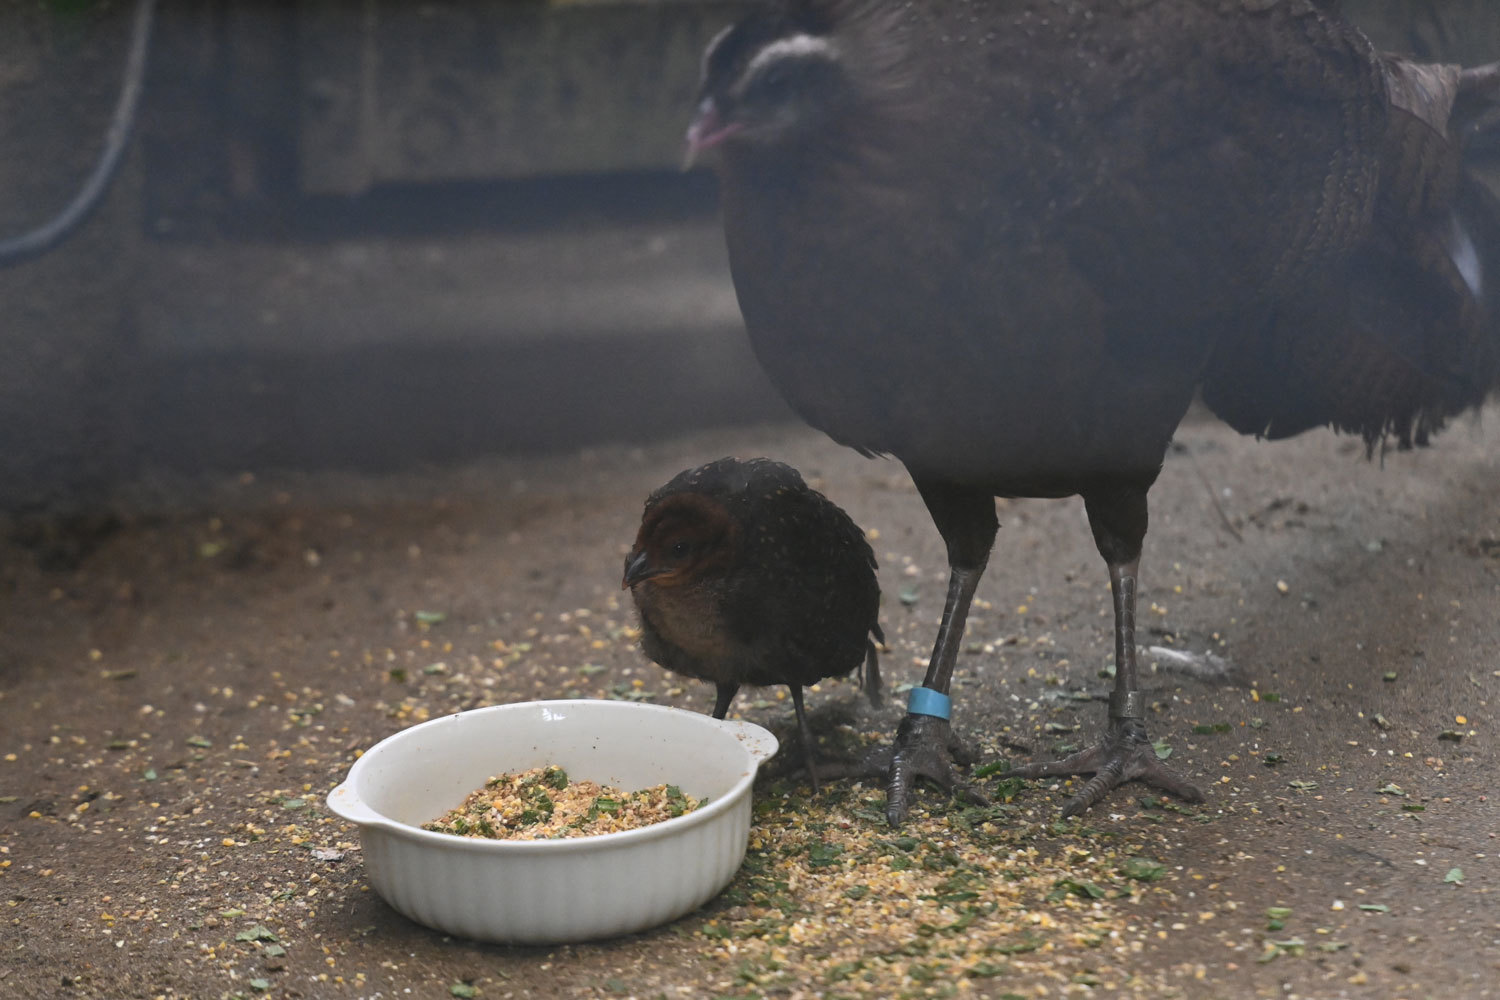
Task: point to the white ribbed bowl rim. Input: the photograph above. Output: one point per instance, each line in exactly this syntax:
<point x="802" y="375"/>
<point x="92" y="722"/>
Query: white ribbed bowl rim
<point x="345" y="799"/>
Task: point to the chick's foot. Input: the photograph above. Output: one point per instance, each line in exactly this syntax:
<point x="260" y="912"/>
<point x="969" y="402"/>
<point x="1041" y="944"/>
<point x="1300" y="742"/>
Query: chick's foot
<point x="1125" y="754"/>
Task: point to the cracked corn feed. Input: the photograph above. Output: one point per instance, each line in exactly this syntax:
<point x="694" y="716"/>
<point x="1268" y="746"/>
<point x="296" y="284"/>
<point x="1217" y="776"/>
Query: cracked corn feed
<point x="542" y="804"/>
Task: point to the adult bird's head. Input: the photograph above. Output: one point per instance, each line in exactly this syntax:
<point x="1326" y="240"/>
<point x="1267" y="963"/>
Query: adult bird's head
<point x="683" y="538"/>
<point x="765" y="90"/>
<point x="779" y="75"/>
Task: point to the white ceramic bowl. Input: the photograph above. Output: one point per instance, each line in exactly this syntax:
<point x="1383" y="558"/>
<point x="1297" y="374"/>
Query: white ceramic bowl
<point x="554" y="891"/>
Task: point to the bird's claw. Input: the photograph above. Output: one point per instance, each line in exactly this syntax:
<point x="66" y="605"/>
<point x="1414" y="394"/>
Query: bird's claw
<point x="1125" y="754"/>
<point x="925" y="747"/>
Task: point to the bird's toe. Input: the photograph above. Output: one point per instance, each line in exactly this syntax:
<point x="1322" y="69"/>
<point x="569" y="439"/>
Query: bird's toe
<point x="925" y="748"/>
<point x="1124" y="755"/>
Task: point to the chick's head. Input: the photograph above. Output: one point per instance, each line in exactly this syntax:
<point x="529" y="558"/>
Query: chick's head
<point x="683" y="539"/>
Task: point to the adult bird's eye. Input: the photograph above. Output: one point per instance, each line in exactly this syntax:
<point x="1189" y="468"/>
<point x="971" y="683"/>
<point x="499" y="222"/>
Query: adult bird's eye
<point x="680" y="549"/>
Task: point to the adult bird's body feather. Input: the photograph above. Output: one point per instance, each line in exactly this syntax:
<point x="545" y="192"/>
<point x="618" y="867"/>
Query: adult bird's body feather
<point x="1006" y="242"/>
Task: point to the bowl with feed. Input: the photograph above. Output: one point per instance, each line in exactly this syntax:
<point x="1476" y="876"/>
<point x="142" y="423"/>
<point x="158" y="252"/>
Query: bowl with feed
<point x="549" y="822"/>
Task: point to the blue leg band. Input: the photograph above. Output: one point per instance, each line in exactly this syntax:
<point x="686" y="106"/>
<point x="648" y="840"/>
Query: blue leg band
<point x="926" y="701"/>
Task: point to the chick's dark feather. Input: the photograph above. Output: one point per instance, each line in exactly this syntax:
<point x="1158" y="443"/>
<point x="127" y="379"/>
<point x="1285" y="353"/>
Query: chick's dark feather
<point x="743" y="574"/>
<point x="1007" y="241"/>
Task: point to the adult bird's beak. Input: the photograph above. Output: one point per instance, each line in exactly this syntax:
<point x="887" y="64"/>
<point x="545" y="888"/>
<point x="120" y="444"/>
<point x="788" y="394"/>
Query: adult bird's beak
<point x="637" y="568"/>
<point x="706" y="131"/>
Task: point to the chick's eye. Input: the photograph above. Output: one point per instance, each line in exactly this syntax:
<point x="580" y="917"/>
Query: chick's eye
<point x="680" y="549"/>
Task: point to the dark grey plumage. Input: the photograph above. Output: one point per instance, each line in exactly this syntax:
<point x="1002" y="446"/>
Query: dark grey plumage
<point x="1006" y="242"/>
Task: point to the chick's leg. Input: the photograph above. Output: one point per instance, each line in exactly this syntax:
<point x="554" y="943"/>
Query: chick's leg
<point x="1118" y="519"/>
<point x="925" y="746"/>
<point x="805" y="735"/>
<point x="724" y="693"/>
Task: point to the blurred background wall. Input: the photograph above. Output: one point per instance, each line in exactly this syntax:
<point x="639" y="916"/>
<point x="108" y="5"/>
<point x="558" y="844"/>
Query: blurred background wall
<point x="371" y="234"/>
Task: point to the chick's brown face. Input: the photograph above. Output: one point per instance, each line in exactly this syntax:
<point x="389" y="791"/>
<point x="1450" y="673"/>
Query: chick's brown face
<point x="682" y="539"/>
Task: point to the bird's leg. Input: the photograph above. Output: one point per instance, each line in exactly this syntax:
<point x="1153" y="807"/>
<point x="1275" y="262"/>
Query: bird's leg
<point x="925" y="746"/>
<point x="869" y="678"/>
<point x="723" y="696"/>
<point x="805" y="735"/>
<point x="1125" y="753"/>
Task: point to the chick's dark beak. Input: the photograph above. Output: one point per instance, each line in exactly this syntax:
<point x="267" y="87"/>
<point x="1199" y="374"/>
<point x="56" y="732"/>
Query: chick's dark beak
<point x="706" y="131"/>
<point x="637" y="568"/>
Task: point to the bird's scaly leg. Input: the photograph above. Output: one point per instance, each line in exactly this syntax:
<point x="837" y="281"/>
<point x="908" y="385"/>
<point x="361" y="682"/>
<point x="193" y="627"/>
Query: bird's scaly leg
<point x="1125" y="753"/>
<point x="925" y="745"/>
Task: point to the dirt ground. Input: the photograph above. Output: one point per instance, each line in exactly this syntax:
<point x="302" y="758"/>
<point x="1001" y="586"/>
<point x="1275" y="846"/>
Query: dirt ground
<point x="178" y="691"/>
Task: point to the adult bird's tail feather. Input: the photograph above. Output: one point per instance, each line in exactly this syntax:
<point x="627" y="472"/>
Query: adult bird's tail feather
<point x="1402" y="332"/>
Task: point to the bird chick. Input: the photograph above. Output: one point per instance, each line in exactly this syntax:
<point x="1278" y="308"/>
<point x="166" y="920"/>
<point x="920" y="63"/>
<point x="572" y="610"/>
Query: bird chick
<point x="743" y="574"/>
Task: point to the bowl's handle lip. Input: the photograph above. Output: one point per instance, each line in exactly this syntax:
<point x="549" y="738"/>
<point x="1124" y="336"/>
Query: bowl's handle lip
<point x="347" y="804"/>
<point x="758" y="740"/>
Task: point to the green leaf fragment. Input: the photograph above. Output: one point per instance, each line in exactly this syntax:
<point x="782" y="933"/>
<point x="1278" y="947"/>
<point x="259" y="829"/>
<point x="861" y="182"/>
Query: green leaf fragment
<point x="1374" y="907"/>
<point x="822" y="855"/>
<point x="1143" y="869"/>
<point x="842" y="971"/>
<point x="1065" y="887"/>
<point x="1455" y="876"/>
<point x="1162" y="748"/>
<point x="463" y="991"/>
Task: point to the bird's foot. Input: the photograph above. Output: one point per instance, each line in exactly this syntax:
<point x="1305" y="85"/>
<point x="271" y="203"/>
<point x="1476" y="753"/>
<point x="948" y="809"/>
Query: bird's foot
<point x="1125" y="754"/>
<point x="925" y="747"/>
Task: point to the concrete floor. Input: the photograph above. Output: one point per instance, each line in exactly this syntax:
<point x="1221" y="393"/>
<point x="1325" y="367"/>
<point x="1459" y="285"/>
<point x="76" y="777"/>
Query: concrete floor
<point x="174" y="707"/>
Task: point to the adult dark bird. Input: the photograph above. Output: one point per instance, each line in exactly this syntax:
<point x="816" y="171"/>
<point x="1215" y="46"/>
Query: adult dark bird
<point x="743" y="574"/>
<point x="1006" y="242"/>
